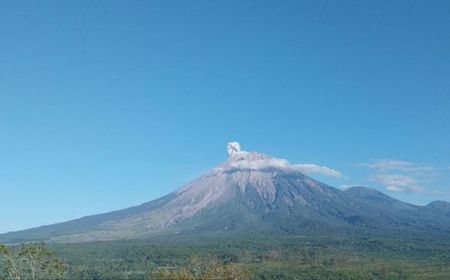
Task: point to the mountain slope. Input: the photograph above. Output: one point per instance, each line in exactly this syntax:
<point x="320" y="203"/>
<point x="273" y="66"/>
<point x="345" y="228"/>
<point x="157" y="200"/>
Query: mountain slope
<point x="250" y="191"/>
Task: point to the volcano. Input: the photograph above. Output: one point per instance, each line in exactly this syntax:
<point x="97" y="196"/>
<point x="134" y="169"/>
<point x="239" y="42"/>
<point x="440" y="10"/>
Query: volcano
<point x="252" y="192"/>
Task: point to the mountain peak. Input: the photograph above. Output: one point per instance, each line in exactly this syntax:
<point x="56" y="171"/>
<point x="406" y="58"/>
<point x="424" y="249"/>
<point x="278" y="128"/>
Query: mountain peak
<point x="365" y="192"/>
<point x="255" y="190"/>
<point x="239" y="159"/>
<point x="253" y="161"/>
<point x="439" y="204"/>
<point x="243" y="160"/>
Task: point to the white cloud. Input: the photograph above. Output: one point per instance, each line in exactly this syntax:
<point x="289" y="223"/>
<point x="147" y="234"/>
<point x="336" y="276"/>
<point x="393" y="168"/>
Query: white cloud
<point x="284" y="164"/>
<point x="384" y="165"/>
<point x="399" y="183"/>
<point x="346" y="187"/>
<point x="402" y="176"/>
<point x="264" y="162"/>
<point x="260" y="164"/>
<point x="314" y="168"/>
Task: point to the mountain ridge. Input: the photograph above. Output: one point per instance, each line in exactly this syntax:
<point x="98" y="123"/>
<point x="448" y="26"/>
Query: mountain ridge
<point x="250" y="190"/>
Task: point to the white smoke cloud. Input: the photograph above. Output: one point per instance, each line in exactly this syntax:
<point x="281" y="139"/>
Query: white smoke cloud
<point x="264" y="162"/>
<point x="234" y="148"/>
<point x="260" y="164"/>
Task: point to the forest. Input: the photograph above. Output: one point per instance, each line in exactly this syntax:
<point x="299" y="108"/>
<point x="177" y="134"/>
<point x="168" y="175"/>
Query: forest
<point x="251" y="257"/>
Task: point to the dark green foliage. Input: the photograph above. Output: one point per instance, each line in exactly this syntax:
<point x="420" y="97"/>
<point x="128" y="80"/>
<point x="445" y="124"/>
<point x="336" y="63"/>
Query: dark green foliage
<point x="251" y="256"/>
<point x="262" y="257"/>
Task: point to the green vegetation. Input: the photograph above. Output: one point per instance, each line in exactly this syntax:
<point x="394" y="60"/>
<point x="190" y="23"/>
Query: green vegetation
<point x="202" y="267"/>
<point x="256" y="257"/>
<point x="30" y="261"/>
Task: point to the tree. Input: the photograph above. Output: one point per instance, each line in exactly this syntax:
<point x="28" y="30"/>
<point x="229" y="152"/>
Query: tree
<point x="202" y="268"/>
<point x="31" y="261"/>
<point x="9" y="264"/>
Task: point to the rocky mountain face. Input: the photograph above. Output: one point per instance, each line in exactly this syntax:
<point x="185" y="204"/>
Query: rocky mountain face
<point x="252" y="191"/>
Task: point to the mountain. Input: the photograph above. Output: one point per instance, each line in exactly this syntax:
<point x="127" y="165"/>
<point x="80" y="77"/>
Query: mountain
<point x="252" y="192"/>
<point x="440" y="205"/>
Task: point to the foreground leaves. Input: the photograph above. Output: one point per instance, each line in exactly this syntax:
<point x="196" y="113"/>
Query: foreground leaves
<point x="30" y="261"/>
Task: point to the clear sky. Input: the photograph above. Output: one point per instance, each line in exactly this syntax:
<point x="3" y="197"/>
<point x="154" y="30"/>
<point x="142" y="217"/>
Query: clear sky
<point x="108" y="104"/>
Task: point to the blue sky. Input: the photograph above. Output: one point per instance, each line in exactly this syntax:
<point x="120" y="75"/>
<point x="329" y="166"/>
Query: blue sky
<point x="109" y="104"/>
